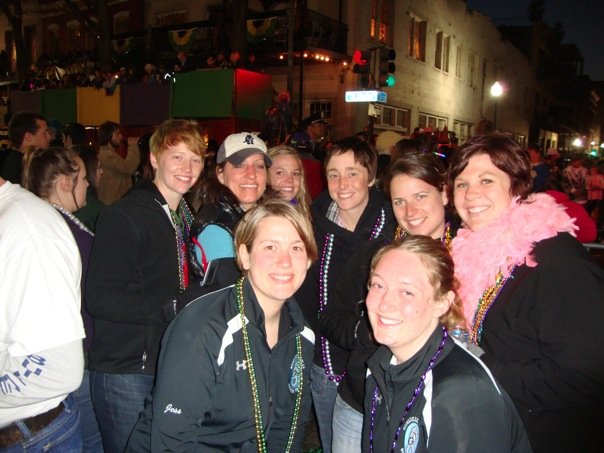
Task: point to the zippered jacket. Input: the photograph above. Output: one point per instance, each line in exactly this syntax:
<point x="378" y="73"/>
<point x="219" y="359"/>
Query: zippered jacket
<point x="132" y="282"/>
<point x="203" y="399"/>
<point x="460" y="408"/>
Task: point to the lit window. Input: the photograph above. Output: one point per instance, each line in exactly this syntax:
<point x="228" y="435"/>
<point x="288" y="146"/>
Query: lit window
<point x="417" y="39"/>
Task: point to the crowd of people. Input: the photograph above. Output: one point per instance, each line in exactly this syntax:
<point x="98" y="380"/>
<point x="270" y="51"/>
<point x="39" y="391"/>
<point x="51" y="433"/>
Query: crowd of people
<point x="80" y="69"/>
<point x="403" y="303"/>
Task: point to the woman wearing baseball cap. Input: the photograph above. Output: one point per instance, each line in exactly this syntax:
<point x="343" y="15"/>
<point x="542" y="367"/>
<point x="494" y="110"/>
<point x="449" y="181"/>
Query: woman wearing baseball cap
<point x="237" y="185"/>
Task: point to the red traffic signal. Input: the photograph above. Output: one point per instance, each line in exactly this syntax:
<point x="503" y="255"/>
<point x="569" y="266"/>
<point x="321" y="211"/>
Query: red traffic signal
<point x="361" y="61"/>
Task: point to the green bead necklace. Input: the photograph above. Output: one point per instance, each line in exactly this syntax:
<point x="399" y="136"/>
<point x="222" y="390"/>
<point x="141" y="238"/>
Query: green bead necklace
<point x="248" y="357"/>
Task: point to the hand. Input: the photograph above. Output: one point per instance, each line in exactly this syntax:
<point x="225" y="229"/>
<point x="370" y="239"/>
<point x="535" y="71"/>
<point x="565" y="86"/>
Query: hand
<point x="133" y="140"/>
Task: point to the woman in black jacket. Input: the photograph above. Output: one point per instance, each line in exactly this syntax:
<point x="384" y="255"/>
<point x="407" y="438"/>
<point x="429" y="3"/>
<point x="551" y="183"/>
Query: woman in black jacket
<point x="532" y="296"/>
<point x="425" y="392"/>
<point x="137" y="269"/>
<point x="351" y="212"/>
<point x="233" y="373"/>
<point x="416" y="183"/>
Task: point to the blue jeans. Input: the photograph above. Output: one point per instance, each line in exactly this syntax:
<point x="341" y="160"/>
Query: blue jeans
<point x="347" y="428"/>
<point x="91" y="435"/>
<point x="118" y="399"/>
<point x="324" y="394"/>
<point x="62" y="435"/>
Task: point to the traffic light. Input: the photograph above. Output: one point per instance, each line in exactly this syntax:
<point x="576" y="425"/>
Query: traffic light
<point x="386" y="67"/>
<point x="361" y="65"/>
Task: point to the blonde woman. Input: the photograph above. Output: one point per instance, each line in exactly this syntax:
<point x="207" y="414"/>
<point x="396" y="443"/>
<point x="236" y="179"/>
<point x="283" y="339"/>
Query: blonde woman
<point x="286" y="177"/>
<point x="424" y="391"/>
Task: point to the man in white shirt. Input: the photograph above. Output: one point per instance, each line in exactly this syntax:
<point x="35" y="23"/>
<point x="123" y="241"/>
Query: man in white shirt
<point x="41" y="331"/>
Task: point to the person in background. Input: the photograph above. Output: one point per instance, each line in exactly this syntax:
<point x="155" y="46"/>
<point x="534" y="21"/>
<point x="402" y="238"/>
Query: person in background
<point x="573" y="180"/>
<point x="586" y="230"/>
<point x="138" y="268"/>
<point x="90" y="212"/>
<point x="316" y="128"/>
<point x="151" y="75"/>
<point x="182" y="63"/>
<point x="286" y="177"/>
<point x="41" y="331"/>
<point x="351" y="212"/>
<point x="117" y="170"/>
<point x="424" y="391"/>
<point x="484" y="127"/>
<point x="55" y="131"/>
<point x="384" y="144"/>
<point x="244" y="348"/>
<point x="313" y="168"/>
<point x="539" y="169"/>
<point x="25" y="130"/>
<point x="74" y="134"/>
<point x="400" y="149"/>
<point x="238" y="184"/>
<point x="417" y="190"/>
<point x="58" y="176"/>
<point x="595" y="197"/>
<point x="594" y="183"/>
<point x="531" y="293"/>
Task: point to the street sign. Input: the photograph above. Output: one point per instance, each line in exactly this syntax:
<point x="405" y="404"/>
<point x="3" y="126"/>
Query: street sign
<point x="366" y="96"/>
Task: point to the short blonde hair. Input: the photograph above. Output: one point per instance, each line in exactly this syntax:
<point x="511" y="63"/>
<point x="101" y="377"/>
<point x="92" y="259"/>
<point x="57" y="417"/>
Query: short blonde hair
<point x="440" y="268"/>
<point x="245" y="232"/>
<point x="172" y="132"/>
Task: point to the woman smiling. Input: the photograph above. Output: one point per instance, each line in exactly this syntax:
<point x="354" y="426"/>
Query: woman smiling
<point x="424" y="391"/>
<point x="532" y="296"/>
<point x="244" y="349"/>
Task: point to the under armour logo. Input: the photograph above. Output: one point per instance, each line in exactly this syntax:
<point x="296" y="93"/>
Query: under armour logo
<point x="241" y="365"/>
<point x="249" y="139"/>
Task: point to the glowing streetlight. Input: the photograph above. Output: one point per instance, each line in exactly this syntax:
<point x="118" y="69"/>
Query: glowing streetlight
<point x="496" y="92"/>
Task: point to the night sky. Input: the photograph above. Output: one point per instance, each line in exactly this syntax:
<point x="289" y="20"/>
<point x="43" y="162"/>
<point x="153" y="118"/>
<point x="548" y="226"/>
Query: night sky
<point x="583" y="22"/>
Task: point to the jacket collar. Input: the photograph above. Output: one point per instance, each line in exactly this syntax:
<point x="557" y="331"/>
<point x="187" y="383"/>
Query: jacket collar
<point x="377" y="202"/>
<point x="291" y="319"/>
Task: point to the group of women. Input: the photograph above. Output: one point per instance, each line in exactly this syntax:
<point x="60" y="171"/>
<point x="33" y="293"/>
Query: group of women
<point x="352" y="301"/>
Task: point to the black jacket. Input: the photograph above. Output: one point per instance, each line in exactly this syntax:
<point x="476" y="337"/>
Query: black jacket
<point x="223" y="272"/>
<point x="460" y="408"/>
<point x="344" y="321"/>
<point x="344" y="244"/>
<point x="543" y="341"/>
<point x="132" y="282"/>
<point x="203" y="399"/>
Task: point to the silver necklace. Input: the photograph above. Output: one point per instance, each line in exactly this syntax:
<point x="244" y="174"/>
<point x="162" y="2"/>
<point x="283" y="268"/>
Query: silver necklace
<point x="71" y="217"/>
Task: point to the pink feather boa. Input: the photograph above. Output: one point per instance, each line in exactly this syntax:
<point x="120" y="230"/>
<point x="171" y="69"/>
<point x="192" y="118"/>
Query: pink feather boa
<point x="503" y="244"/>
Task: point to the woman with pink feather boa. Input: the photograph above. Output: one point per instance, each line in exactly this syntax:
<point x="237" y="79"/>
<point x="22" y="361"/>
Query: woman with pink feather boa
<point x="533" y="297"/>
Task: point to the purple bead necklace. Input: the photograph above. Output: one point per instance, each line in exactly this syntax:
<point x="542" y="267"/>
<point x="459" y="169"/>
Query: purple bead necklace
<point x="412" y="401"/>
<point x="324" y="292"/>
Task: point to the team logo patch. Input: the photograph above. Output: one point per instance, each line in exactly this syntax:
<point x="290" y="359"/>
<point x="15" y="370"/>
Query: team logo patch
<point x="411" y="435"/>
<point x="295" y="375"/>
<point x="249" y="139"/>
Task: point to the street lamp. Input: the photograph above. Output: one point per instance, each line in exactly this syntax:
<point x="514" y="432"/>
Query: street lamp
<point x="496" y="92"/>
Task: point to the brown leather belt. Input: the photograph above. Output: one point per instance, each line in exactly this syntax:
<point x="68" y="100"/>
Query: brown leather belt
<point x="11" y="434"/>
